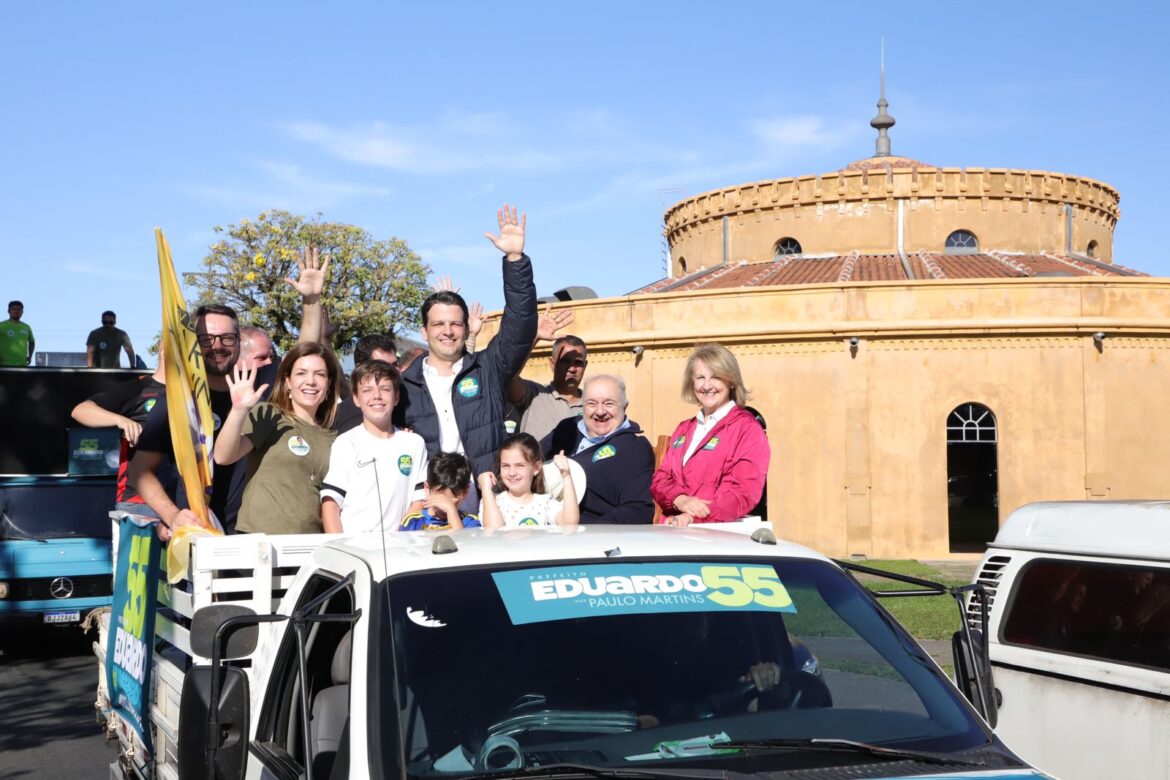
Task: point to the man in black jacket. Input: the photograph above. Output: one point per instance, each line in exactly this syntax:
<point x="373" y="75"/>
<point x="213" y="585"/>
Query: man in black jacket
<point x="455" y="399"/>
<point x="617" y="459"/>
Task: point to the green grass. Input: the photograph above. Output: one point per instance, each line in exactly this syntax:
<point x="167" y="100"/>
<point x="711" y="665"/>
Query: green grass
<point x="925" y="617"/>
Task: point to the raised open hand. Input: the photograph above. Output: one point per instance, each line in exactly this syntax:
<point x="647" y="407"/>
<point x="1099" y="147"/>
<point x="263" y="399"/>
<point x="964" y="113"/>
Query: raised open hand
<point x="311" y="267"/>
<point x="474" y="319"/>
<point x="444" y="284"/>
<point x="550" y="323"/>
<point x="242" y="388"/>
<point x="510" y="241"/>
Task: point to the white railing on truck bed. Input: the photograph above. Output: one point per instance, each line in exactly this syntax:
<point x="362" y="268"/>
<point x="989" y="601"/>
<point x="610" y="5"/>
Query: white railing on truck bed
<point x="254" y="570"/>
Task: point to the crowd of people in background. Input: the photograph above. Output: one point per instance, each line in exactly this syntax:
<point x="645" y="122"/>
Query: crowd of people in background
<point x="442" y="439"/>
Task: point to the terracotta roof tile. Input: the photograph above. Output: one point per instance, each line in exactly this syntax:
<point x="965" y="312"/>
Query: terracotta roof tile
<point x="973" y="267"/>
<point x="798" y="269"/>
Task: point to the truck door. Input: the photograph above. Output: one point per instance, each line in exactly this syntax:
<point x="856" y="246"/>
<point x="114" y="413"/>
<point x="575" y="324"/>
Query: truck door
<point x="285" y="742"/>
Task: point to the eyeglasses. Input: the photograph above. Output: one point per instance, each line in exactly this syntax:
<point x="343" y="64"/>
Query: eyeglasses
<point x="227" y="339"/>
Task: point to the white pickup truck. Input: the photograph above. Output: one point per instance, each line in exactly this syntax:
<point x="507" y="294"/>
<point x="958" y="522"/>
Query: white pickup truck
<point x="592" y="652"/>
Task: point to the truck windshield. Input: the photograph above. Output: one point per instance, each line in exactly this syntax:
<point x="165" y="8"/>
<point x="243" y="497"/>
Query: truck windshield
<point x="637" y="664"/>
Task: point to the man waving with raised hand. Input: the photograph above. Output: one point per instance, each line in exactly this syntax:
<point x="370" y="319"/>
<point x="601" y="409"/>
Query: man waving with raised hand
<point x="453" y="398"/>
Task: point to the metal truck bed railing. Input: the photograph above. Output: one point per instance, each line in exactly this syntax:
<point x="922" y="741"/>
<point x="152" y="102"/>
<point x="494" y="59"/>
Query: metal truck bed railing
<point x="254" y="570"/>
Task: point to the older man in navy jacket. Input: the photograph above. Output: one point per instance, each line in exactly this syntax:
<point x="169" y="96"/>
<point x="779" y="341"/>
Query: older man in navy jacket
<point x="454" y="399"/>
<point x="617" y="459"/>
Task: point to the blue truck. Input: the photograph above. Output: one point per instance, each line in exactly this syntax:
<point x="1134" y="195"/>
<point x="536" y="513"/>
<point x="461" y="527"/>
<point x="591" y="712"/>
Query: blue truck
<point x="57" y="484"/>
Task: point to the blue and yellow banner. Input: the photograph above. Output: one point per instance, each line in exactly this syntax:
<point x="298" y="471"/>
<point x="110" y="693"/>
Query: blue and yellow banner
<point x="130" y="643"/>
<point x="562" y="593"/>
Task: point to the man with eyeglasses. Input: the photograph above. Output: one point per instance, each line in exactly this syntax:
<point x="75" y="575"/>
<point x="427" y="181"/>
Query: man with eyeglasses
<point x="217" y="330"/>
<point x="617" y="459"/>
<point x="104" y="344"/>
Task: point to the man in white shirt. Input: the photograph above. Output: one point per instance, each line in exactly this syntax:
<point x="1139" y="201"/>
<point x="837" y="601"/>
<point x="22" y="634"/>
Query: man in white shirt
<point x="453" y="398"/>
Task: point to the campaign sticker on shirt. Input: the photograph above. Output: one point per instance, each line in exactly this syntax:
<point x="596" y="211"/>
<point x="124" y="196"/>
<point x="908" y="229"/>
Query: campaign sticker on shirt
<point x="509" y="427"/>
<point x="607" y="451"/>
<point x="469" y="387"/>
<point x="404" y="464"/>
<point x="680" y="441"/>
<point x="101" y="345"/>
<point x="564" y="593"/>
<point x="529" y="521"/>
<point x="11" y="334"/>
<point x="215" y="421"/>
<point x="150" y="402"/>
<point x="712" y="443"/>
<point x="298" y="446"/>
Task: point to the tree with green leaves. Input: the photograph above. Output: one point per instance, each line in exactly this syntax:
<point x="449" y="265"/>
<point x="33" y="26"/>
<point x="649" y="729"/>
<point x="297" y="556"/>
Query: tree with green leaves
<point x="372" y="286"/>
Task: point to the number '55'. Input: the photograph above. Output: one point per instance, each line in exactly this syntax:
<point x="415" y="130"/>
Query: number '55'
<point x="738" y="586"/>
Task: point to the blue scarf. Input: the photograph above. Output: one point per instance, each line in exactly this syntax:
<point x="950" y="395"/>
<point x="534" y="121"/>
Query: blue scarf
<point x="588" y="441"/>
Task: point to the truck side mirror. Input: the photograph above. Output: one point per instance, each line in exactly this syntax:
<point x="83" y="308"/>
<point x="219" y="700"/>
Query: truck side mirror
<point x="973" y="673"/>
<point x="230" y="724"/>
<point x="241" y="639"/>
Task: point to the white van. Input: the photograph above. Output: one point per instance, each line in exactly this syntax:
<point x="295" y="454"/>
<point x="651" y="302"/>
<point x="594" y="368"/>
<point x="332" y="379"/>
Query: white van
<point x="1080" y="636"/>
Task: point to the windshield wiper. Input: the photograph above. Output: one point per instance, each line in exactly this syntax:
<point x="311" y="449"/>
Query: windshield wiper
<point x="851" y="746"/>
<point x="610" y="773"/>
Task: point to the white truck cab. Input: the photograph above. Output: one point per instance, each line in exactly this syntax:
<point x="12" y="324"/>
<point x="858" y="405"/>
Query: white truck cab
<point x="1079" y="630"/>
<point x="591" y="651"/>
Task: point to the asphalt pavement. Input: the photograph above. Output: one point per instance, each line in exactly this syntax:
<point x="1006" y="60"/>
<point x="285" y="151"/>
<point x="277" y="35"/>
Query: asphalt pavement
<point x="48" y="676"/>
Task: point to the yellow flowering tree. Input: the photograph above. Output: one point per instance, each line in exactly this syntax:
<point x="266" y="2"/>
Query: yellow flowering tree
<point x="372" y="286"/>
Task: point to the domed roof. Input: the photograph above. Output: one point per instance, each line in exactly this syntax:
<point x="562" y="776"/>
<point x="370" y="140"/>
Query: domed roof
<point x="886" y="162"/>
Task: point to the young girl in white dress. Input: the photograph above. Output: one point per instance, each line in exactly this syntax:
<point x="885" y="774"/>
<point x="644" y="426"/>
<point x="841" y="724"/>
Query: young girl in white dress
<point x="514" y="494"/>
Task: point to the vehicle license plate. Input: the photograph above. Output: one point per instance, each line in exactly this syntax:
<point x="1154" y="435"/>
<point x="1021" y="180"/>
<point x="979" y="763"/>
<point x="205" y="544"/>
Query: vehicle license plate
<point x="73" y="616"/>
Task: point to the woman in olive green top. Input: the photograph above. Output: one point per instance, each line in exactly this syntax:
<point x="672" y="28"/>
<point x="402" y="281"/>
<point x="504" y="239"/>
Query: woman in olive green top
<point x="287" y="441"/>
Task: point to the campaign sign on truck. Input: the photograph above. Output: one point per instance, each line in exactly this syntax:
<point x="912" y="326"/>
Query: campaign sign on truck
<point x="564" y="592"/>
<point x="130" y="646"/>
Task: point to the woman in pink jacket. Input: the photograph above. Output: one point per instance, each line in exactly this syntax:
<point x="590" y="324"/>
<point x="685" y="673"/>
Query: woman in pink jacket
<point x="717" y="463"/>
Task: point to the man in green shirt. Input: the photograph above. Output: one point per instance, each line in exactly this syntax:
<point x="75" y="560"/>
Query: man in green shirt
<point x="16" y="338"/>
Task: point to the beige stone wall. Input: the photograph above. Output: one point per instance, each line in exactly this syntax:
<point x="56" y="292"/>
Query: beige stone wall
<point x="1009" y="210"/>
<point x="859" y="446"/>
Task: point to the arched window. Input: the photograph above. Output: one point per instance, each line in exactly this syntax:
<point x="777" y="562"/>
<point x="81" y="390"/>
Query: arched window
<point x="1091" y="249"/>
<point x="962" y="242"/>
<point x="972" y="477"/>
<point x="786" y="246"/>
<point x="682" y="264"/>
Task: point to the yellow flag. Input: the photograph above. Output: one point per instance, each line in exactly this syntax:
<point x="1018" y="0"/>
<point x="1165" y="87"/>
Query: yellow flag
<point x="188" y="405"/>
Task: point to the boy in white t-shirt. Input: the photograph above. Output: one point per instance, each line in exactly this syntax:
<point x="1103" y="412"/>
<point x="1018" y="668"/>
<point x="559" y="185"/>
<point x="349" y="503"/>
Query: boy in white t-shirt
<point x="376" y="472"/>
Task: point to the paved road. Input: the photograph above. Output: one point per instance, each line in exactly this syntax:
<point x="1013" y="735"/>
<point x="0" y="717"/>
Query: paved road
<point x="47" y="726"/>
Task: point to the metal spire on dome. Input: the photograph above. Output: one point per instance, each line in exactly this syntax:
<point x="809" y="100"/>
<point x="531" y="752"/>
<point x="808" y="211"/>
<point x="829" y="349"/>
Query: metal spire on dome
<point x="883" y="121"/>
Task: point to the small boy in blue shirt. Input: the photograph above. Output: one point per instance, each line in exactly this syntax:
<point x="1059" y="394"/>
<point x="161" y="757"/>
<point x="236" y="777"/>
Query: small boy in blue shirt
<point x="448" y="482"/>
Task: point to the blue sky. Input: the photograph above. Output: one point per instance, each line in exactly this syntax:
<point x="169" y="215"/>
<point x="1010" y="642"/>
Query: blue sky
<point x="418" y="120"/>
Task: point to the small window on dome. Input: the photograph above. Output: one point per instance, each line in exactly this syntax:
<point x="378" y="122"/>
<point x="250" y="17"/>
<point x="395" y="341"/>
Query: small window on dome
<point x="1091" y="249"/>
<point x="682" y="264"/>
<point x="786" y="246"/>
<point x="962" y="242"/>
